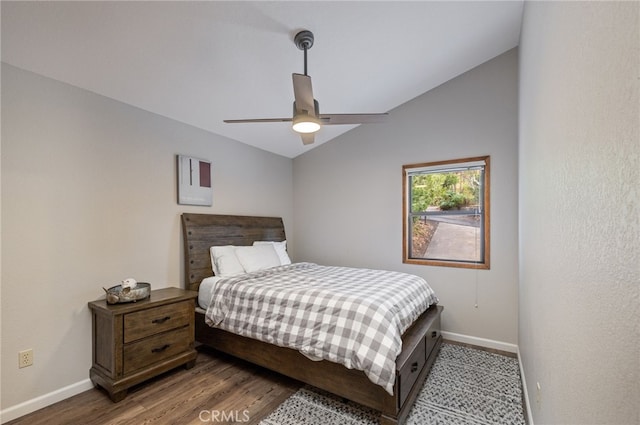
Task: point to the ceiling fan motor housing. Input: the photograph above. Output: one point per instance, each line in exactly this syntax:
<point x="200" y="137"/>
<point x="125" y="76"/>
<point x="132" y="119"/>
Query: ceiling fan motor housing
<point x="316" y="106"/>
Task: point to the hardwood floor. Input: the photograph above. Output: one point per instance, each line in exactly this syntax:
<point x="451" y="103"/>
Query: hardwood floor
<point x="218" y="390"/>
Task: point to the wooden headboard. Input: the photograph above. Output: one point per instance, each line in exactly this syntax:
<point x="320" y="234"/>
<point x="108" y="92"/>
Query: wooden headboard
<point x="202" y="231"/>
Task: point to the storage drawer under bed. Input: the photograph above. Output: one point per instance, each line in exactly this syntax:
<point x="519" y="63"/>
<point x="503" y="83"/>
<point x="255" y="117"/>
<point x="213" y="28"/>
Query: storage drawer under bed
<point x="432" y="335"/>
<point x="408" y="374"/>
<point x="410" y="367"/>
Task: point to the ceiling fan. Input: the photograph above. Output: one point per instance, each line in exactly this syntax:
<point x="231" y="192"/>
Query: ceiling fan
<point x="307" y="118"/>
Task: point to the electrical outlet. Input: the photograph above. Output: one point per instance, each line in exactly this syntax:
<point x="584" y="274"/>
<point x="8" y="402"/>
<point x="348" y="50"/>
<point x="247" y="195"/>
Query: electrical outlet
<point x="25" y="358"/>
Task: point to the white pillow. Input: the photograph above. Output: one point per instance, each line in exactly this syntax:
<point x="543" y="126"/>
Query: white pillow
<point x="224" y="261"/>
<point x="259" y="257"/>
<point x="281" y="250"/>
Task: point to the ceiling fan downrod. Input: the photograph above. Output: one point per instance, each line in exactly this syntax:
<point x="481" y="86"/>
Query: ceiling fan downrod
<point x="304" y="41"/>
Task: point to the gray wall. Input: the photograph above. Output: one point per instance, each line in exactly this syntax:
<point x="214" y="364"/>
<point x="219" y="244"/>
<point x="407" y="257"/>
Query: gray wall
<point x="348" y="193"/>
<point x="579" y="234"/>
<point x="88" y="199"/>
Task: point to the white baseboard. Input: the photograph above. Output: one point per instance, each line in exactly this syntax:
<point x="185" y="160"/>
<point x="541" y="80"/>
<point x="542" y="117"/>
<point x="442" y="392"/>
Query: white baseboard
<point x="525" y="391"/>
<point x="45" y="400"/>
<point x="481" y="342"/>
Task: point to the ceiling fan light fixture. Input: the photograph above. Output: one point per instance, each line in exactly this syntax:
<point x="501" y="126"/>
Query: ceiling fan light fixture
<point x="305" y="123"/>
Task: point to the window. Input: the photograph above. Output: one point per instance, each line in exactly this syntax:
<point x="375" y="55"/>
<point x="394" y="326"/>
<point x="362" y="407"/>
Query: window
<point x="446" y="213"/>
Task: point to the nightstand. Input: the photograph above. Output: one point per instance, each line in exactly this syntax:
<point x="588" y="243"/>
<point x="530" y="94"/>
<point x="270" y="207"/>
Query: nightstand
<point x="136" y="341"/>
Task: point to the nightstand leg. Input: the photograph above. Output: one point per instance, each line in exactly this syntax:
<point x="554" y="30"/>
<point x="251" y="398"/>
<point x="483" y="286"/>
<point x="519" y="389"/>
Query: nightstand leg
<point x="118" y="396"/>
<point x="190" y="364"/>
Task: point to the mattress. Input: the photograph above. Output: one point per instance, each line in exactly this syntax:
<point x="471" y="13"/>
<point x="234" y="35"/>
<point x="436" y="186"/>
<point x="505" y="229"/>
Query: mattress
<point x="355" y="317"/>
<point x="204" y="292"/>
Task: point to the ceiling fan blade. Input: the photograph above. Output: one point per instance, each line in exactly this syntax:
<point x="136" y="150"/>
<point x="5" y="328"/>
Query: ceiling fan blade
<point x="335" y="119"/>
<point x="307" y="138"/>
<point x="303" y="94"/>
<point x="258" y="120"/>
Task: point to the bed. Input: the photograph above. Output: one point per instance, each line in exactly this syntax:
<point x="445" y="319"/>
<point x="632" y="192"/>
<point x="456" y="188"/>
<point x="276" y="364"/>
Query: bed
<point x="420" y="342"/>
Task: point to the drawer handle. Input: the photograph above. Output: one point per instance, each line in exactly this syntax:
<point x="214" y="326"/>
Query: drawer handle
<point x="414" y="367"/>
<point x="434" y="334"/>
<point x="161" y="349"/>
<point x="162" y="320"/>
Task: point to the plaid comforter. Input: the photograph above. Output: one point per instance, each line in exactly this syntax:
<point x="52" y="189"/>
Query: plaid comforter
<point x="350" y="316"/>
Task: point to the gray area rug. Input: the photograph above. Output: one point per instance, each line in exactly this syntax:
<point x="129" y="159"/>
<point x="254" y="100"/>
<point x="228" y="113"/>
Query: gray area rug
<point x="465" y="386"/>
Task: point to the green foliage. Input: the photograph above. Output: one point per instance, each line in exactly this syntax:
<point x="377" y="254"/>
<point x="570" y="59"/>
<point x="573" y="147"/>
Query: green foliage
<point x="444" y="190"/>
<point x="421" y="195"/>
<point x="452" y="200"/>
<point x="450" y="180"/>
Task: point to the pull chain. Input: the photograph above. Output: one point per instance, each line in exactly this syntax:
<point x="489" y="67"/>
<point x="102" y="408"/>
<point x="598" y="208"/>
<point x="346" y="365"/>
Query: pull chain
<point x="476" y="251"/>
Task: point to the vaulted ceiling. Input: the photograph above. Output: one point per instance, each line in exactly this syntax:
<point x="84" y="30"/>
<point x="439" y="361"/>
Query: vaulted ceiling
<point x="202" y="62"/>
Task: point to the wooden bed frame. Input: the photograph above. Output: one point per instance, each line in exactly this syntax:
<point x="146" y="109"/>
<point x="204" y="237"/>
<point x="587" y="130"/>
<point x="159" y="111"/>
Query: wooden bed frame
<point x="421" y="342"/>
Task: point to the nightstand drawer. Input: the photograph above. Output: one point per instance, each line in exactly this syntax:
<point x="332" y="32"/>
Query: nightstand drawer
<point x="155" y="320"/>
<point x="153" y="349"/>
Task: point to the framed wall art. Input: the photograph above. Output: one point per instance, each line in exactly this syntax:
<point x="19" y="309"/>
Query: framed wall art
<point x="194" y="181"/>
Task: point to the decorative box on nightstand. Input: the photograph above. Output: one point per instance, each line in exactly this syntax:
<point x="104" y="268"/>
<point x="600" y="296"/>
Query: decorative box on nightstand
<point x="137" y="341"/>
